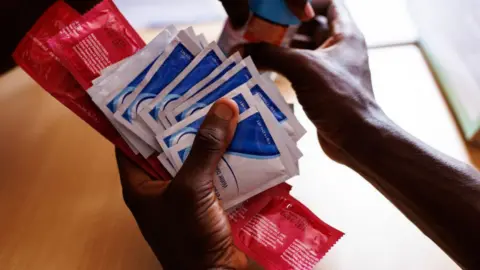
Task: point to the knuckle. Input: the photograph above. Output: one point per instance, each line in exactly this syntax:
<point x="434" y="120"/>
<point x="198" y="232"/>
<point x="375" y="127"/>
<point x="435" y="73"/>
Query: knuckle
<point x="211" y="139"/>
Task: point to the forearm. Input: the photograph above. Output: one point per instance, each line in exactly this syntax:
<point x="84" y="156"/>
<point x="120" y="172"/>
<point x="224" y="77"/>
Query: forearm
<point x="439" y="194"/>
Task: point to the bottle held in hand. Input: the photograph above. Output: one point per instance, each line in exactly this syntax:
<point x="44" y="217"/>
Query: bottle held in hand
<point x="269" y="21"/>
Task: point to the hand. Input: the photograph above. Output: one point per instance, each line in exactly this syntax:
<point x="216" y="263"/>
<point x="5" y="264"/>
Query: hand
<point x="332" y="83"/>
<point x="182" y="220"/>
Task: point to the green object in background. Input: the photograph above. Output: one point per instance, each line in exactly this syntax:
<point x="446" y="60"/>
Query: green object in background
<point x="450" y="38"/>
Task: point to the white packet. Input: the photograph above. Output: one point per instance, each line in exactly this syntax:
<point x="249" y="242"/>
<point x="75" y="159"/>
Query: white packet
<point x="98" y="99"/>
<point x="191" y="33"/>
<point x="181" y="131"/>
<point x="202" y="40"/>
<point x="112" y="89"/>
<point x="256" y="160"/>
<point x="290" y="142"/>
<point x="203" y="64"/>
<point x="120" y="82"/>
<point x="235" y="77"/>
<point x="135" y="143"/>
<point x="177" y="56"/>
<point x="244" y="72"/>
<point x="266" y="89"/>
<point x="167" y="164"/>
<point x="226" y="66"/>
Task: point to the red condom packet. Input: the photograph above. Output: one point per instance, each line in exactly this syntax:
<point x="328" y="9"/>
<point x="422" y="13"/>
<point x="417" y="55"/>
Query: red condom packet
<point x="278" y="232"/>
<point x="35" y="57"/>
<point x="101" y="38"/>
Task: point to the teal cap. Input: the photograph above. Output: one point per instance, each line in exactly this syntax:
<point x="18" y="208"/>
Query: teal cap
<point x="276" y="11"/>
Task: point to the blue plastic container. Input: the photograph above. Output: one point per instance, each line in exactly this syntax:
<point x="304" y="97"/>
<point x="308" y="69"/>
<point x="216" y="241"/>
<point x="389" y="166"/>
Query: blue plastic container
<point x="275" y="11"/>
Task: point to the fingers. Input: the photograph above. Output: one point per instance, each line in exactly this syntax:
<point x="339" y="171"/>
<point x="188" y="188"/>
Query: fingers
<point x="213" y="138"/>
<point x="286" y="61"/>
<point x="340" y="22"/>
<point x="321" y="6"/>
<point x="301" y="8"/>
<point x="135" y="182"/>
<point x="237" y="11"/>
<point x="312" y="34"/>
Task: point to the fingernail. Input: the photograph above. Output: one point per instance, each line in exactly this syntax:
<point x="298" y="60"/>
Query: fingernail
<point x="223" y="111"/>
<point x="309" y="12"/>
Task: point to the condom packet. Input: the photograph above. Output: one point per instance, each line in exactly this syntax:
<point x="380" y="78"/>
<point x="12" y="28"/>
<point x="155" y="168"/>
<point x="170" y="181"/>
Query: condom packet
<point x="109" y="93"/>
<point x="98" y="99"/>
<point x="244" y="72"/>
<point x="235" y="77"/>
<point x="266" y="89"/>
<point x="35" y="57"/>
<point x="256" y="159"/>
<point x="177" y="56"/>
<point x="100" y="38"/>
<point x="227" y="65"/>
<point x="279" y="232"/>
<point x="202" y="65"/>
<point x="202" y="41"/>
<point x="187" y="129"/>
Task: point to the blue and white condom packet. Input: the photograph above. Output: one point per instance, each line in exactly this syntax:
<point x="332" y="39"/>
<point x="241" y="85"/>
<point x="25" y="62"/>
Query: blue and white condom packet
<point x="121" y="81"/>
<point x="226" y="66"/>
<point x="244" y="72"/>
<point x="268" y="92"/>
<point x="204" y="63"/>
<point x="177" y="56"/>
<point x="256" y="160"/>
<point x="202" y="41"/>
<point x="235" y="77"/>
<point x="187" y="129"/>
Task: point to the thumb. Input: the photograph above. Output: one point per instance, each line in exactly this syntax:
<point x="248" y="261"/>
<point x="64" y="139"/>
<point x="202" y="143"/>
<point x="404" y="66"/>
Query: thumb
<point x="213" y="138"/>
<point x="289" y="62"/>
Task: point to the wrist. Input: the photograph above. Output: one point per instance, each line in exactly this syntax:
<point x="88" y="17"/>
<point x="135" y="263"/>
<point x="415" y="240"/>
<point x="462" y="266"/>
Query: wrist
<point x="365" y="131"/>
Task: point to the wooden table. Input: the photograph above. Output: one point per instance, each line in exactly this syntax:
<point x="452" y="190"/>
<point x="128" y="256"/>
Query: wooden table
<point x="60" y="198"/>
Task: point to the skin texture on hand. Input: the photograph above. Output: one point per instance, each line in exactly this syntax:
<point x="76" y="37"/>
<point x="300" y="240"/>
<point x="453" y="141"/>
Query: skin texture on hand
<point x="182" y="220"/>
<point x="333" y="84"/>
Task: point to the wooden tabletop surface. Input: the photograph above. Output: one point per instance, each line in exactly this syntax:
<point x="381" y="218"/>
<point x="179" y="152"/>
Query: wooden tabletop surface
<point x="60" y="197"/>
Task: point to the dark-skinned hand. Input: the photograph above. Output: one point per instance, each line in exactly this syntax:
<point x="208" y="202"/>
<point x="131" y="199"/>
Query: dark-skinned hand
<point x="332" y="82"/>
<point x="182" y="220"/>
